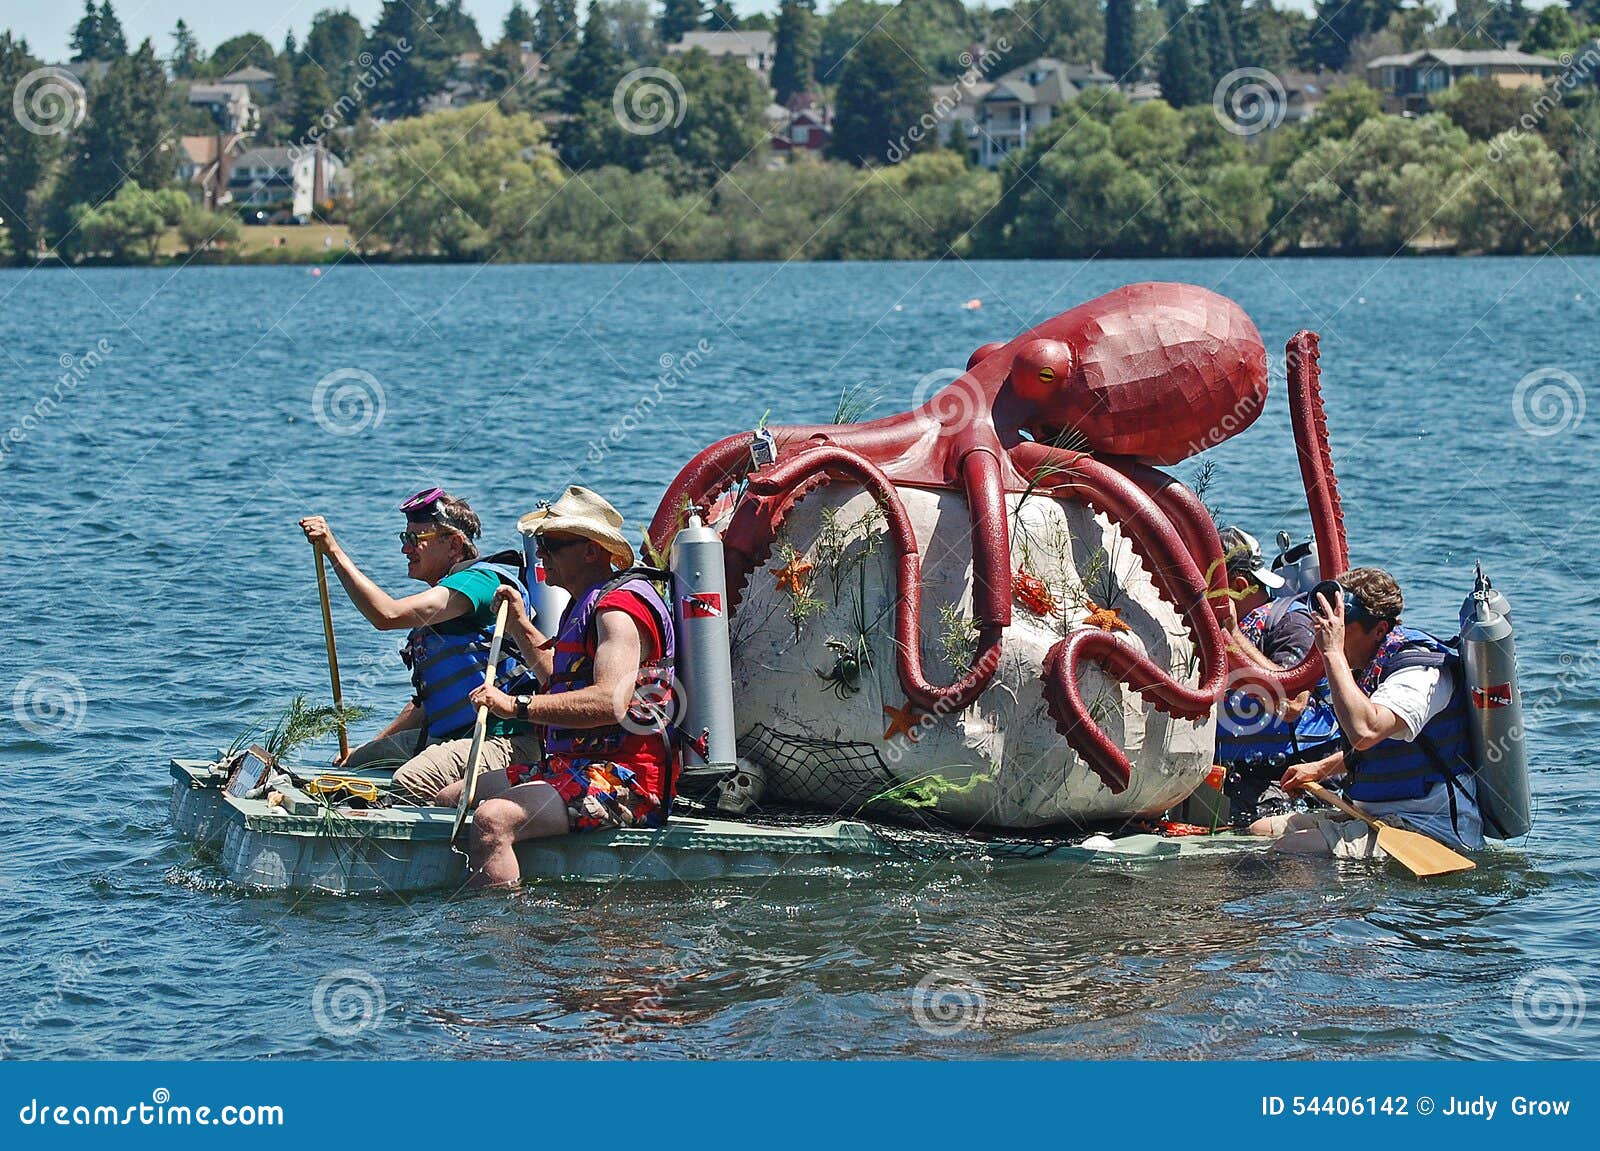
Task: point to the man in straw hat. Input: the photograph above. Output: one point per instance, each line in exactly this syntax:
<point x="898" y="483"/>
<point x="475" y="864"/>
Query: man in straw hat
<point x="608" y="701"/>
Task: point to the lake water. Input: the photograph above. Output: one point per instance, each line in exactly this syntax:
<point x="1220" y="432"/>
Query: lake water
<point x="151" y="559"/>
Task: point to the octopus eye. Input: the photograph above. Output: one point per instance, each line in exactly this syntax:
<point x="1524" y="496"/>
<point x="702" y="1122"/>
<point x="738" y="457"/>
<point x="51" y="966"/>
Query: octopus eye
<point x="1047" y="374"/>
<point x="1039" y="368"/>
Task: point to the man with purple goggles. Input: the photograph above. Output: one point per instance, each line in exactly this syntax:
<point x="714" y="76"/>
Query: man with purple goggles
<point x="447" y="648"/>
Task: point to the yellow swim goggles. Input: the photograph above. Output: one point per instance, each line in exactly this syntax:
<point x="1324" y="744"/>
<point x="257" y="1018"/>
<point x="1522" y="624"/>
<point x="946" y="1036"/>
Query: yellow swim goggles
<point x="332" y="787"/>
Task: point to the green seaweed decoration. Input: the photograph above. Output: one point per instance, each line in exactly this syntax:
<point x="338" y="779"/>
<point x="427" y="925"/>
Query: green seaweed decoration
<point x="298" y="724"/>
<point x="927" y="791"/>
<point x="856" y="400"/>
<point x="958" y="638"/>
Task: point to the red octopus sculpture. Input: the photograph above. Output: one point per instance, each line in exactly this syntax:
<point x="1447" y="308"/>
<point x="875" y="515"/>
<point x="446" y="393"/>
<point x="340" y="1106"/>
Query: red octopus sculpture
<point x="1144" y="375"/>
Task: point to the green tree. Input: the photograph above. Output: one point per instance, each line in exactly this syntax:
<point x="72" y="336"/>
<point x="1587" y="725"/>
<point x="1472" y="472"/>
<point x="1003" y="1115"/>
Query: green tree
<point x="795" y="48"/>
<point x="1510" y="199"/>
<point x="557" y="24"/>
<point x="185" y="51"/>
<point x="248" y="49"/>
<point x="882" y="95"/>
<point x="456" y="27"/>
<point x="595" y="68"/>
<point x="720" y="17"/>
<point x="313" y="112"/>
<point x="425" y="60"/>
<point x="129" y="226"/>
<point x="497" y="168"/>
<point x="113" y="42"/>
<point x="1182" y="63"/>
<point x="199" y="228"/>
<point x="1553" y="32"/>
<point x="634" y="27"/>
<point x="333" y="44"/>
<point x="85" y="40"/>
<point x="679" y="17"/>
<point x="1580" y="170"/>
<point x="845" y="26"/>
<point x="25" y="156"/>
<point x="1339" y="23"/>
<point x="519" y="26"/>
<point x="1482" y="108"/>
<point x="1121" y="54"/>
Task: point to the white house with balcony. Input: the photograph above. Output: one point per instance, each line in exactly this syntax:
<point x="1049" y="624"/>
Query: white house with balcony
<point x="1007" y="113"/>
<point x="285" y="179"/>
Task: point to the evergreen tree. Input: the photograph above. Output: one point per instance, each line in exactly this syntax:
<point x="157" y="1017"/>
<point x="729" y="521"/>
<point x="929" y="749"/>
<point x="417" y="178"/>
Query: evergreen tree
<point x="333" y="44"/>
<point x="113" y="43"/>
<point x="456" y="27"/>
<point x="1121" y="27"/>
<point x="1217" y="35"/>
<point x="86" y="36"/>
<point x="24" y="155"/>
<point x="795" y="52"/>
<point x="720" y="17"/>
<point x="882" y="94"/>
<point x="405" y="89"/>
<point x="1338" y="23"/>
<point x="556" y="26"/>
<point x="185" y="51"/>
<point x="519" y="27"/>
<point x="313" y="99"/>
<point x="122" y="135"/>
<point x="679" y="17"/>
<point x="596" y="66"/>
<point x="1181" y="65"/>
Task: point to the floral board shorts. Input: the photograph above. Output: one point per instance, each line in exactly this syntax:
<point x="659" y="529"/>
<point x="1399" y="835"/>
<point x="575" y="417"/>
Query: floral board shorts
<point x="600" y="795"/>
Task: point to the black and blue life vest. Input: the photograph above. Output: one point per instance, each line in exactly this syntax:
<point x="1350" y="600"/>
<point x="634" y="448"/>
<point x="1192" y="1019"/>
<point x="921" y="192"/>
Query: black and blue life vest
<point x="1248" y="734"/>
<point x="1441" y="753"/>
<point x="446" y="667"/>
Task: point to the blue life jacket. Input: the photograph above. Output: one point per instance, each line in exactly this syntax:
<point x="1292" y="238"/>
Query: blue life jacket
<point x="1400" y="769"/>
<point x="446" y="668"/>
<point x="1247" y="734"/>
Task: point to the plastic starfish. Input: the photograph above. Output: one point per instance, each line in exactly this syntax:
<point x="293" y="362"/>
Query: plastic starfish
<point x="1105" y="618"/>
<point x="902" y="721"/>
<point x="793" y="577"/>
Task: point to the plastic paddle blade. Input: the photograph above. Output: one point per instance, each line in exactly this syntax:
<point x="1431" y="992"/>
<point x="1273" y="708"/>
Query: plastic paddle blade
<point x="1421" y="855"/>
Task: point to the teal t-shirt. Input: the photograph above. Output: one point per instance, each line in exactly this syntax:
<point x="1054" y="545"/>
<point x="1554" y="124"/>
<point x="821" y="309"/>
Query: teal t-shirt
<point x="478" y="586"/>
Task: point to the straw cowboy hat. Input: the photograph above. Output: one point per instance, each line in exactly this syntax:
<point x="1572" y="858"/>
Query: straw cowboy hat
<point x="581" y="512"/>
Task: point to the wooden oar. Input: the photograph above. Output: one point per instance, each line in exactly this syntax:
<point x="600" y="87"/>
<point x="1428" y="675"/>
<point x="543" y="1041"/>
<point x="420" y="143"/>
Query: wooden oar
<point x="1420" y="854"/>
<point x="333" y="654"/>
<point x="469" y="786"/>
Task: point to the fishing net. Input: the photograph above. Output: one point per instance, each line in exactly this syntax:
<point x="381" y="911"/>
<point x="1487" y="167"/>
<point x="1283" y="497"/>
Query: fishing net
<point x="840" y="776"/>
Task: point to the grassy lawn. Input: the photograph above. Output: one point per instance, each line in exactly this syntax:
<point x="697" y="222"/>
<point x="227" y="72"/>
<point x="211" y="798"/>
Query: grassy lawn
<point x="311" y="241"/>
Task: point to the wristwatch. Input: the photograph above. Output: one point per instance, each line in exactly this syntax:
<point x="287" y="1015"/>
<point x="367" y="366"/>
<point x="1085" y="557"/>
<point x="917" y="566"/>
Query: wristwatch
<point x="522" y="705"/>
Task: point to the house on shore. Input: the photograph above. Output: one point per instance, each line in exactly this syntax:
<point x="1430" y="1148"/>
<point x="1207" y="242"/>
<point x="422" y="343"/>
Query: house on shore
<point x="205" y="167"/>
<point x="1408" y="81"/>
<point x="754" y="48"/>
<point x="285" y="179"/>
<point x="802" y="125"/>
<point x="999" y="117"/>
<point x="229" y="104"/>
<point x="263" y="85"/>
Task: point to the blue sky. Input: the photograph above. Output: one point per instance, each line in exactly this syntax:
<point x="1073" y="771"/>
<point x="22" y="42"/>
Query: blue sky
<point x="47" y="24"/>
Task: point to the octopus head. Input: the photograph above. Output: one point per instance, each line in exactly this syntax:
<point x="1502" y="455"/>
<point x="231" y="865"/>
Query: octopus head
<point x="1042" y="375"/>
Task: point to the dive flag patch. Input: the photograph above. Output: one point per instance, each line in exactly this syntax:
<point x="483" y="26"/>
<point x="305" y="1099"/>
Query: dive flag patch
<point x="702" y="605"/>
<point x="1496" y="695"/>
<point x="538" y="573"/>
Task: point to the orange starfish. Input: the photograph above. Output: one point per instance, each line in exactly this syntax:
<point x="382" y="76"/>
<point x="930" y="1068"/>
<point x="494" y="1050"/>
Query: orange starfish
<point x="794" y="576"/>
<point x="902" y="721"/>
<point x="1105" y="618"/>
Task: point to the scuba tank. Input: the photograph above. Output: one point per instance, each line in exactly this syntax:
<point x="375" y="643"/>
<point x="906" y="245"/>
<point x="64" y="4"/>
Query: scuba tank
<point x="1489" y="668"/>
<point x="546" y="602"/>
<point x="1298" y="565"/>
<point x="699" y="611"/>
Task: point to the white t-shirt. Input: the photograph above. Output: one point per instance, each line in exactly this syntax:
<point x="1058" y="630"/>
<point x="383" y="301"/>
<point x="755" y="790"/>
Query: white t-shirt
<point x="1416" y="695"/>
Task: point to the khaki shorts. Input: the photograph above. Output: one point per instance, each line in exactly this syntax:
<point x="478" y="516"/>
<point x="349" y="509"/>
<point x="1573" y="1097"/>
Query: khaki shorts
<point x="422" y="776"/>
<point x="1325" y="833"/>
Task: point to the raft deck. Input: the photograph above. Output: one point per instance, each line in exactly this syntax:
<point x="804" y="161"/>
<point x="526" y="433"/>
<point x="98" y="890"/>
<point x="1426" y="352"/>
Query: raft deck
<point x="303" y="843"/>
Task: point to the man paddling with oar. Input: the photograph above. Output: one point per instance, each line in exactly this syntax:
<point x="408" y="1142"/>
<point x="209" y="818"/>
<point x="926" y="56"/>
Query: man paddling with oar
<point x="447" y="650"/>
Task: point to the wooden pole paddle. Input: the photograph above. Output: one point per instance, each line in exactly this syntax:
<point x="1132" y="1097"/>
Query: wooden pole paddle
<point x="1420" y="854"/>
<point x="333" y="653"/>
<point x="469" y="788"/>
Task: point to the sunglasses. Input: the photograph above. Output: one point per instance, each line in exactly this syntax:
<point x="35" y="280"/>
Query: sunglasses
<point x="545" y="546"/>
<point x="412" y="539"/>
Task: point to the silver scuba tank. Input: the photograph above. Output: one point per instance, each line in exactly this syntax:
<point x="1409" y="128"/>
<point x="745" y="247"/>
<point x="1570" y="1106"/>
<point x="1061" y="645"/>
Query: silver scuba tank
<point x="704" y="667"/>
<point x="546" y="602"/>
<point x="1489" y="667"/>
<point x="1298" y="565"/>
